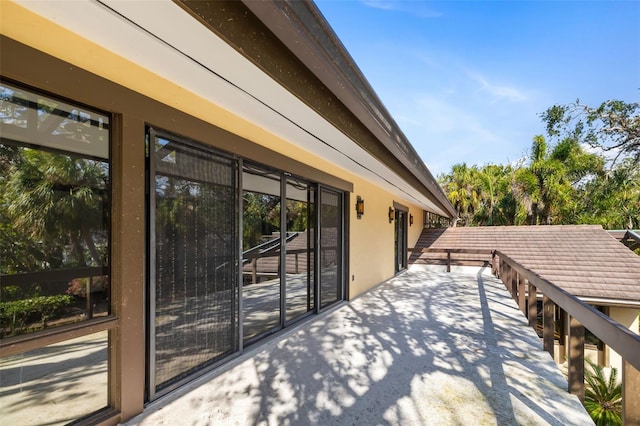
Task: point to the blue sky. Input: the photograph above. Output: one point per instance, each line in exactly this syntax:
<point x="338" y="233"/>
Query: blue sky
<point x="467" y="80"/>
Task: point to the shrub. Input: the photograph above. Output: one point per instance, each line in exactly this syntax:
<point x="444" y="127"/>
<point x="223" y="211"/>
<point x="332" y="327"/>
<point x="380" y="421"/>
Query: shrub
<point x="17" y="313"/>
<point x="602" y="395"/>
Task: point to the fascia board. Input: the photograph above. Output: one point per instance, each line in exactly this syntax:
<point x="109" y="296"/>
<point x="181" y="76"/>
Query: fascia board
<point x="213" y="70"/>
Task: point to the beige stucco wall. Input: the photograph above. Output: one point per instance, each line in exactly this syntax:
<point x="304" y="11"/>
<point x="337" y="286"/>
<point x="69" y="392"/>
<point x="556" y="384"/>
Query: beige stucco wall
<point x="371" y="238"/>
<point x="628" y="317"/>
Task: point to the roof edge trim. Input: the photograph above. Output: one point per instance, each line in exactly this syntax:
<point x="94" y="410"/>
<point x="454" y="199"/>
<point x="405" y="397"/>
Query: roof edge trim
<point x="326" y="57"/>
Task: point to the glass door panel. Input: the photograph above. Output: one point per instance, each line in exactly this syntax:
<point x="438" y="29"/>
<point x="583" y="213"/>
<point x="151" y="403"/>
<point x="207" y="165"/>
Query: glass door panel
<point x="299" y="259"/>
<point x="330" y="256"/>
<point x="261" y="251"/>
<point x="400" y="240"/>
<point x="193" y="259"/>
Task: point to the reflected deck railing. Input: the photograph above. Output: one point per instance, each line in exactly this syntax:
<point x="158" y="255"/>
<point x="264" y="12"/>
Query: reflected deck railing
<point x="522" y="282"/>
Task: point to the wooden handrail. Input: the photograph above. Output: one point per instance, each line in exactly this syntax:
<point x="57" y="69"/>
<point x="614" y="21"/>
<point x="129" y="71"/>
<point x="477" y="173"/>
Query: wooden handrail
<point x="447" y="250"/>
<point x="450" y="251"/>
<point x="581" y="315"/>
<point x="619" y="338"/>
<point x="632" y="235"/>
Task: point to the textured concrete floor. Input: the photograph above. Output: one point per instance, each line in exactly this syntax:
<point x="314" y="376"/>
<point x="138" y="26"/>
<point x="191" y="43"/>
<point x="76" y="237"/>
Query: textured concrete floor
<point x="423" y="348"/>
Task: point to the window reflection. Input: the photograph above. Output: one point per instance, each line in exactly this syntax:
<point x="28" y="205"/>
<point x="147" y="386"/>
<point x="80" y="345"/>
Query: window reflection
<point x="56" y="384"/>
<point x="330" y="247"/>
<point x="54" y="212"/>
<point x="194" y="259"/>
<point x="299" y="248"/>
<point x="261" y="251"/>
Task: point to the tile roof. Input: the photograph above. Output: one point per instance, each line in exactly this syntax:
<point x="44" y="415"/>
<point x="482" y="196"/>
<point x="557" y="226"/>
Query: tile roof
<point x="585" y="260"/>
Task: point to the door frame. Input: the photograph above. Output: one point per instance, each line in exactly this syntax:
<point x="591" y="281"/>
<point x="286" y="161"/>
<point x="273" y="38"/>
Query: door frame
<point x="400" y="236"/>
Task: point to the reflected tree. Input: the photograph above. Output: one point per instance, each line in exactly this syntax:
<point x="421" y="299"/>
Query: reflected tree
<point x="61" y="202"/>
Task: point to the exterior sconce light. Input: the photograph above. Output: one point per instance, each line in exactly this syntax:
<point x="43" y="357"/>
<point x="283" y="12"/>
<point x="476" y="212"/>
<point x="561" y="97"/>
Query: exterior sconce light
<point x="359" y="207"/>
<point x="391" y="215"/>
<point x="410" y="220"/>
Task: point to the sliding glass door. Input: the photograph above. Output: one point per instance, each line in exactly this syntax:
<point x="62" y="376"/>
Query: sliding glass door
<point x="261" y="217"/>
<point x="330" y="256"/>
<point x="213" y="290"/>
<point x="299" y="247"/>
<point x="193" y="259"/>
<point x="400" y="240"/>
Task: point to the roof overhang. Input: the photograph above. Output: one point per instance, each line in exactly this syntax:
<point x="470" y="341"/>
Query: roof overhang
<point x="164" y="38"/>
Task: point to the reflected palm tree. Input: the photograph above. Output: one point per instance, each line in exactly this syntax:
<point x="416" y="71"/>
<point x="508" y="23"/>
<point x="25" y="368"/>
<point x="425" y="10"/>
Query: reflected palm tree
<point x="63" y="202"/>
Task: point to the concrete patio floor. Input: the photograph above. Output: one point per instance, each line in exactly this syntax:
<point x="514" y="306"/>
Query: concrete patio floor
<point x="425" y="347"/>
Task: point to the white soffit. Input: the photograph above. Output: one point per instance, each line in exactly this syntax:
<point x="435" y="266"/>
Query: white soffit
<point x="166" y="40"/>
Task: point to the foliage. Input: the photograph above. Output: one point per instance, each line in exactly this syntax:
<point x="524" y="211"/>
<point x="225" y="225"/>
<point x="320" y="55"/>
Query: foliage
<point x="603" y="395"/>
<point x="566" y="182"/>
<point x="53" y="196"/>
<point x="462" y="190"/>
<point x="261" y="216"/>
<point x="613" y="199"/>
<point x="612" y="126"/>
<point x="16" y="314"/>
<point x="53" y="215"/>
<point x="53" y="210"/>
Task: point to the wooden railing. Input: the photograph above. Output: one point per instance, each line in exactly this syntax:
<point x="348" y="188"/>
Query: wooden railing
<point x="525" y="285"/>
<point x="486" y="255"/>
<point x="631" y="239"/>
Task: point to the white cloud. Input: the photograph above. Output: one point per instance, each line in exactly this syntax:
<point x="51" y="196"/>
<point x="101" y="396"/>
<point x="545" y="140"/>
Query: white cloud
<point x="498" y="91"/>
<point x="442" y="117"/>
<point x="415" y="8"/>
<point x="444" y="131"/>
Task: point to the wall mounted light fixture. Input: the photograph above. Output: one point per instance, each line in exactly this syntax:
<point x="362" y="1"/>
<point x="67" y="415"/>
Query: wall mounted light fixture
<point x="410" y="220"/>
<point x="359" y="207"/>
<point x="392" y="216"/>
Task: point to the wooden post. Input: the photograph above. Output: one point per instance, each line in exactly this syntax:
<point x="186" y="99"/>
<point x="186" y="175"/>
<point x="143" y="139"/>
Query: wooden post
<point x="514" y="285"/>
<point x="548" y="324"/>
<point x="89" y="302"/>
<point x="532" y="311"/>
<point x="562" y="341"/>
<point x="507" y="277"/>
<point x="254" y="270"/>
<point x="576" y="359"/>
<point x="630" y="392"/>
<point x="448" y="260"/>
<point x="494" y="263"/>
<point x="522" y="290"/>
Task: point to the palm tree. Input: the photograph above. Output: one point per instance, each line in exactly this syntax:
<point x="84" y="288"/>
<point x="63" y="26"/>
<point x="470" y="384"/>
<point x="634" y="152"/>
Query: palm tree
<point x="496" y="206"/>
<point x="462" y="188"/>
<point x="603" y="395"/>
<point x="546" y="189"/>
<point x="61" y="201"/>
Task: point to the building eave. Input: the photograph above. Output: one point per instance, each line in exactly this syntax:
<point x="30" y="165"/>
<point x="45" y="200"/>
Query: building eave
<point x="329" y="74"/>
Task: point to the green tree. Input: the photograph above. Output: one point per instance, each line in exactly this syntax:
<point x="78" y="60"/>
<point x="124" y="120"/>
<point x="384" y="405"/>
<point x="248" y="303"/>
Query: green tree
<point x="612" y="126"/>
<point x="58" y="202"/>
<point x="497" y="204"/>
<point x="547" y="187"/>
<point x="18" y="252"/>
<point x="462" y="189"/>
<point x="261" y="216"/>
<point x="613" y="198"/>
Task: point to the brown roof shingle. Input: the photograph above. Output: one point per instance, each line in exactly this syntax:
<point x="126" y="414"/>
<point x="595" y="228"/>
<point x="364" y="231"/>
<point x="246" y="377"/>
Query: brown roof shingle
<point x="585" y="260"/>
